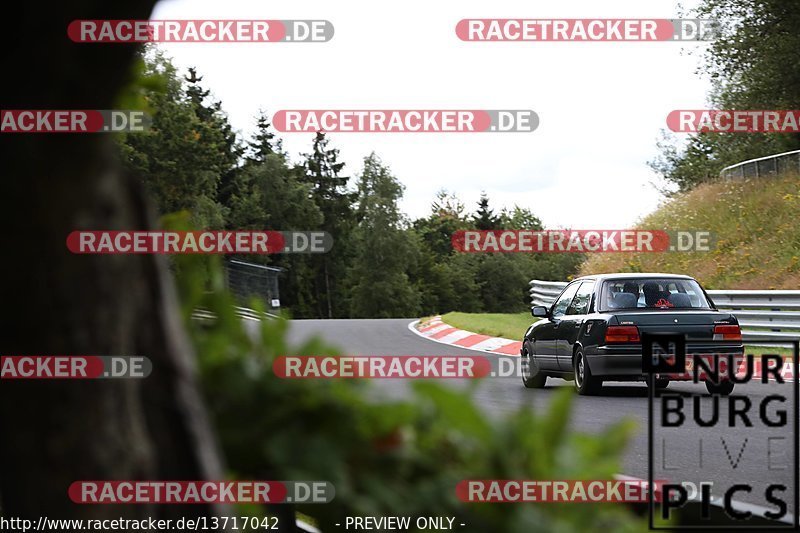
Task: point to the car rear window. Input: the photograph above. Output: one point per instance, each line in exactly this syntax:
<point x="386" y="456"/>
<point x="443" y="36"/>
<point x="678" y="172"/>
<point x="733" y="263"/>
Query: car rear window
<point x="653" y="293"/>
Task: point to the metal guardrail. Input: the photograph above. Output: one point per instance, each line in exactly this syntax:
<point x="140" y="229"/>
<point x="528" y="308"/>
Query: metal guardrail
<point x="241" y="312"/>
<point x="763" y="315"/>
<point x="770" y="165"/>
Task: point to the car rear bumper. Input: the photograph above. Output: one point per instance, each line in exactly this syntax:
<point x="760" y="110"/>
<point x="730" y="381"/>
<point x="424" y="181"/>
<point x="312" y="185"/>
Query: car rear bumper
<point x="624" y="363"/>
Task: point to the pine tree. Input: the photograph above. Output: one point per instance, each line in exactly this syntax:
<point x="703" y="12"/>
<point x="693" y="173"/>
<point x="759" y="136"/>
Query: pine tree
<point x="197" y="95"/>
<point x="220" y="129"/>
<point x="321" y="169"/>
<point x="485" y="219"/>
<point x="263" y="142"/>
<point x="189" y="150"/>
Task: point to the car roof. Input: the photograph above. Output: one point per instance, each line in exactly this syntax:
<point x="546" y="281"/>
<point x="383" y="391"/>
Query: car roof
<point x="633" y="275"/>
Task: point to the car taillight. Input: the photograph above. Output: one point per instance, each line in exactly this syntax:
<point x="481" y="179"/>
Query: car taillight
<point x="729" y="332"/>
<point x="622" y="334"/>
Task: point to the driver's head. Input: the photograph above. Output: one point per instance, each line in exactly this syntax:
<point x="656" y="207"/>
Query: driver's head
<point x="652" y="292"/>
<point x="631" y="287"/>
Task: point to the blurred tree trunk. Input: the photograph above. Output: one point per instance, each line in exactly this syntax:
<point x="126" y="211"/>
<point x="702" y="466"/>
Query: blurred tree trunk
<point x="54" y="433"/>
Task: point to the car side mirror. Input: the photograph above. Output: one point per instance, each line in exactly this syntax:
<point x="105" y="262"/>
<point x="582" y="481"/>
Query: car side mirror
<point x="539" y="311"/>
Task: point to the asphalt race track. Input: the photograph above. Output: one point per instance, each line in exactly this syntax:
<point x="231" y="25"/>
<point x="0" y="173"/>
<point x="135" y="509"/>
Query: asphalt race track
<point x="593" y="414"/>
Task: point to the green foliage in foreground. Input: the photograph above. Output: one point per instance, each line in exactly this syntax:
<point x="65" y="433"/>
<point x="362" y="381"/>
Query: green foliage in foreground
<point x="384" y="458"/>
<point x="507" y="325"/>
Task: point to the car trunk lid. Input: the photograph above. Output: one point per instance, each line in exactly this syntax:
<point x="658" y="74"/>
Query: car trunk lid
<point x="696" y="325"/>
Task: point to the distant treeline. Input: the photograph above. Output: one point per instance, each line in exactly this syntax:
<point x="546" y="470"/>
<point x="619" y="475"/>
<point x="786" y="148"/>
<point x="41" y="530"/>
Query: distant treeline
<point x="382" y="264"/>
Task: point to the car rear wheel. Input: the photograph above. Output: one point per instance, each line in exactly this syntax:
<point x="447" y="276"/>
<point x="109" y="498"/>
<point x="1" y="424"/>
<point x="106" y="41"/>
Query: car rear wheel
<point x="723" y="388"/>
<point x="585" y="383"/>
<point x="532" y="376"/>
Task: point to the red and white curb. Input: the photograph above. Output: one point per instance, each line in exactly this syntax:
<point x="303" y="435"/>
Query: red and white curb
<point x="436" y="330"/>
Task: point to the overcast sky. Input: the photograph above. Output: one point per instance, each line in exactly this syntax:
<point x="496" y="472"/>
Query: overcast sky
<point x="601" y="105"/>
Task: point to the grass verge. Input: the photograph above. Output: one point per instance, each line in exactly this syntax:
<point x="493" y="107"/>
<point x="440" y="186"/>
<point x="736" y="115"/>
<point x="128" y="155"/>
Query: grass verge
<point x="754" y="226"/>
<point x="760" y="350"/>
<point x="507" y="325"/>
